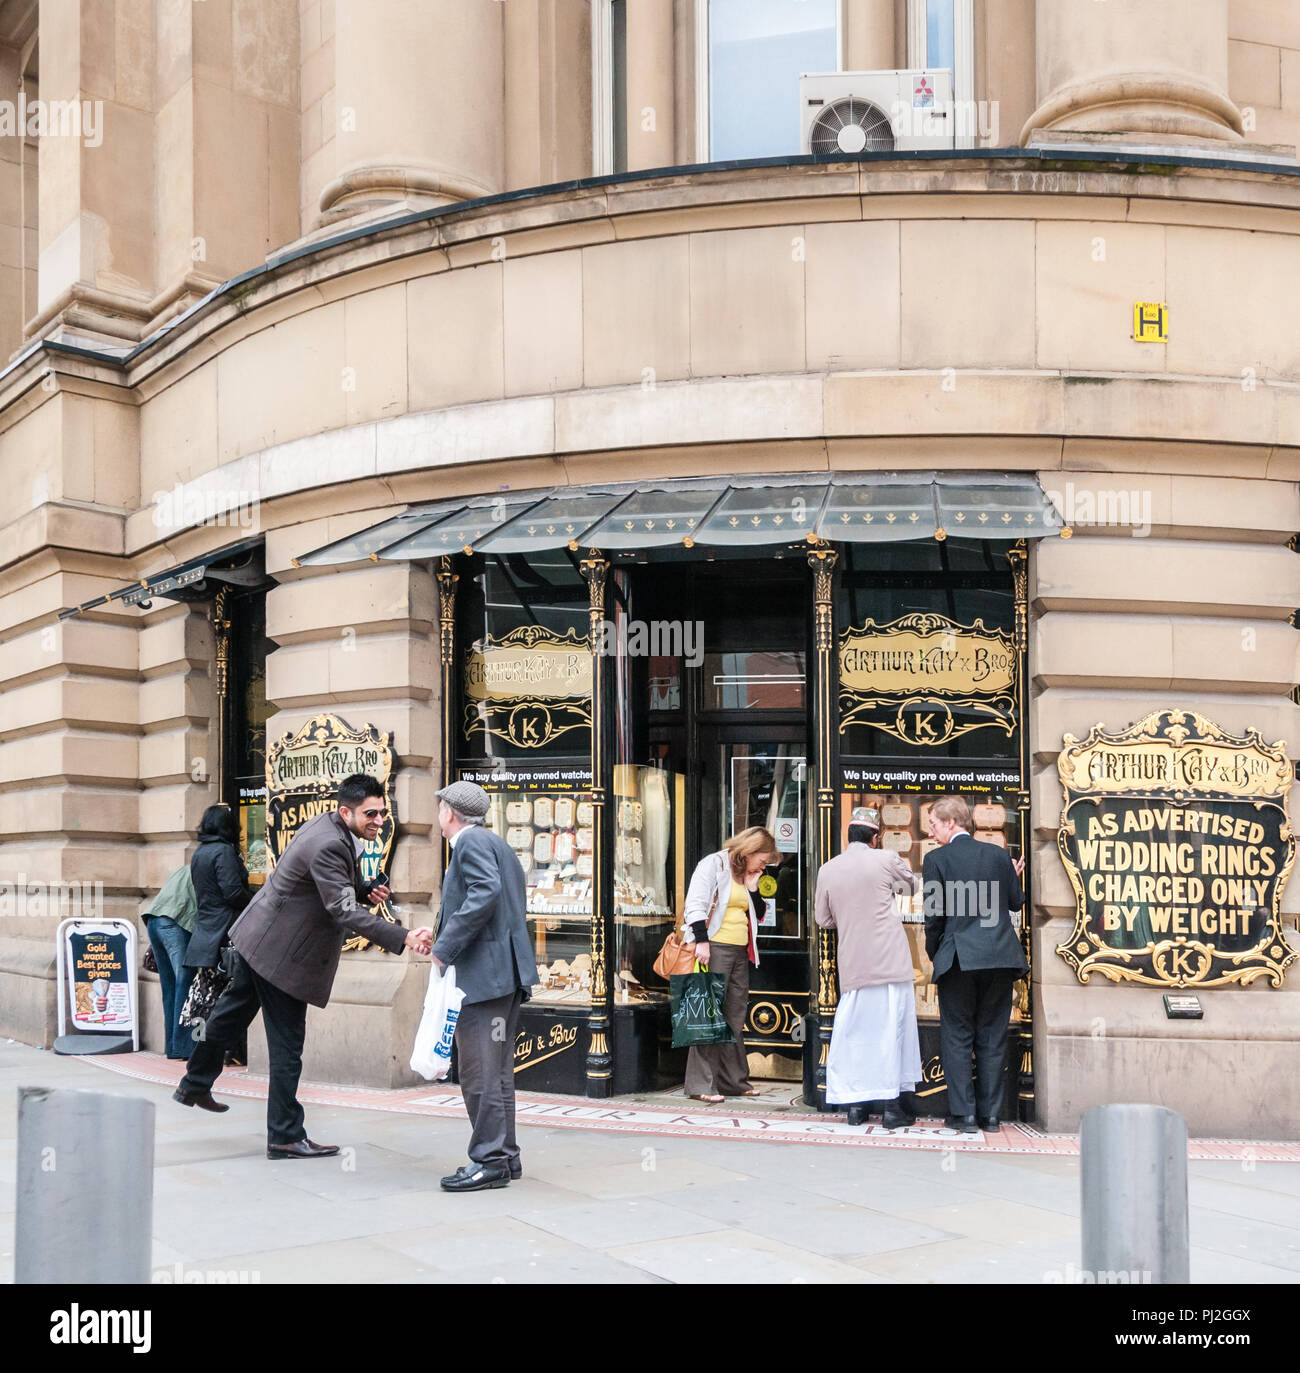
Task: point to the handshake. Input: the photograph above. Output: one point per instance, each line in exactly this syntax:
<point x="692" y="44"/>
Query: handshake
<point x="421" y="940"/>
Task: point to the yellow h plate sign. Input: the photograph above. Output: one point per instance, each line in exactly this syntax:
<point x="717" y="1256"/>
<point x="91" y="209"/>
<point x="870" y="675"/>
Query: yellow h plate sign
<point x="1151" y="321"/>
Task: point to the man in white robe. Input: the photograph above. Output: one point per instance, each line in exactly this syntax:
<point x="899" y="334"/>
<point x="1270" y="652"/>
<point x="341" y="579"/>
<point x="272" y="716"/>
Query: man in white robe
<point x="875" y="1052"/>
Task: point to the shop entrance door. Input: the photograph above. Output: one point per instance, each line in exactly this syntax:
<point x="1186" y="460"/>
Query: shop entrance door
<point x="756" y="775"/>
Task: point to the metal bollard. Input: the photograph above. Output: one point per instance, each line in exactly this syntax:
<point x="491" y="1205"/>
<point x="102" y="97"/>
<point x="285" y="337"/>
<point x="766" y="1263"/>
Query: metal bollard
<point x="85" y="1187"/>
<point x="1134" y="1179"/>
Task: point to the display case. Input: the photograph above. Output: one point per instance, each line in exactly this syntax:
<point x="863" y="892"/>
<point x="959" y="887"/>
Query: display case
<point x="551" y="834"/>
<point x="905" y="821"/>
<point x="645" y="887"/>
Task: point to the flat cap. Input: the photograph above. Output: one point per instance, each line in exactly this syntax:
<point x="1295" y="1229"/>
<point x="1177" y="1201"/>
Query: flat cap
<point x="466" y="797"/>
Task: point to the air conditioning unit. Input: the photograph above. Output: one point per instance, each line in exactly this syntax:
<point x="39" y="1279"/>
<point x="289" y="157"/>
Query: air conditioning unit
<point x="876" y="112"/>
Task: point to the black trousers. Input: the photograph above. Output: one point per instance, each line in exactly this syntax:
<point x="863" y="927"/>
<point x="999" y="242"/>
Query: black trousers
<point x="485" y="1057"/>
<point x="974" y="1012"/>
<point x="285" y="1019"/>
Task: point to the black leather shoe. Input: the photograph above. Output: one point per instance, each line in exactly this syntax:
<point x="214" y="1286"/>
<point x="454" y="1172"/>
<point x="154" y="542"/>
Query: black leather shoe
<point x="516" y="1170"/>
<point x="858" y="1115"/>
<point x="965" y="1124"/>
<point x="476" y="1177"/>
<point x="990" y="1123"/>
<point x="895" y="1117"/>
<point x="302" y="1148"/>
<point x="205" y="1101"/>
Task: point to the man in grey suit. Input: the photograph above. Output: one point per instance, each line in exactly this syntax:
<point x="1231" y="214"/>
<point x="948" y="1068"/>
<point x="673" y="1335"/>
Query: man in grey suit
<point x="971" y="889"/>
<point x="287" y="945"/>
<point x="483" y="933"/>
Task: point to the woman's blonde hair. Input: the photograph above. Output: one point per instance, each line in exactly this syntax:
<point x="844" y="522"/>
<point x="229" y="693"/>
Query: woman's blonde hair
<point x="955" y="809"/>
<point x="745" y="845"/>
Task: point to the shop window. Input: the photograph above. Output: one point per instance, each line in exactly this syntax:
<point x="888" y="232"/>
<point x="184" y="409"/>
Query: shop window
<point x="749" y="57"/>
<point x="246" y="713"/>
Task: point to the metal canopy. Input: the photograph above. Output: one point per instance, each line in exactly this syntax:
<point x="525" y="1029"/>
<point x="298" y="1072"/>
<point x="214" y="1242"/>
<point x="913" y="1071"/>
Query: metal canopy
<point x="739" y="511"/>
<point x="238" y="565"/>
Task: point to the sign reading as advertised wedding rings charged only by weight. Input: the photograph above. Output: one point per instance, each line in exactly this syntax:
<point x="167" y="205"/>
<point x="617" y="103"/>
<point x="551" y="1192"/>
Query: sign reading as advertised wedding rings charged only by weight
<point x="1177" y="842"/>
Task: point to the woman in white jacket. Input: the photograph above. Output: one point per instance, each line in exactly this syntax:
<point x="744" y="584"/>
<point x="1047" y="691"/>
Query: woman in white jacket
<point x="721" y="918"/>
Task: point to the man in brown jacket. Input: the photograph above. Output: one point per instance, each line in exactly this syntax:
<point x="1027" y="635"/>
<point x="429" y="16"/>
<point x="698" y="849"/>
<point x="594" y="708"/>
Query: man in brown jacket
<point x="287" y="945"/>
<point x="875" y="1050"/>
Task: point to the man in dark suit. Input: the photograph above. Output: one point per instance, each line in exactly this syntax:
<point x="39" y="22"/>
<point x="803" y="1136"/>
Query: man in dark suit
<point x="970" y="891"/>
<point x="287" y="945"/>
<point x="483" y="933"/>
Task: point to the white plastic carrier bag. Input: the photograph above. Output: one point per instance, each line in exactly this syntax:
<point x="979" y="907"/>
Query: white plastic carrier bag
<point x="431" y="1057"/>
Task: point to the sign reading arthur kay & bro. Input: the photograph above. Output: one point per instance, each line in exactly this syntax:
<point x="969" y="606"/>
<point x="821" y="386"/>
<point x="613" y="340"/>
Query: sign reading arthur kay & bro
<point x="1176" y="839"/>
<point x="926" y="679"/>
<point x="303" y="773"/>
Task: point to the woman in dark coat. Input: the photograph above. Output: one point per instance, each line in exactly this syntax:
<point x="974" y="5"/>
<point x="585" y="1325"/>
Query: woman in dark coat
<point x="220" y="890"/>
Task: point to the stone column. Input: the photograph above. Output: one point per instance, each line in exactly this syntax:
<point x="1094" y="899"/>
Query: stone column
<point x="419" y="104"/>
<point x="96" y="183"/>
<point x="650" y="85"/>
<point x="548" y="93"/>
<point x="869" y="38"/>
<point x="1133" y="67"/>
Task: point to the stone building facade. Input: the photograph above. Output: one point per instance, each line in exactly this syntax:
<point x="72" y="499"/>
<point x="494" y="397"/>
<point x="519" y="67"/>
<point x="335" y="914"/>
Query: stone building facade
<point x="334" y="259"/>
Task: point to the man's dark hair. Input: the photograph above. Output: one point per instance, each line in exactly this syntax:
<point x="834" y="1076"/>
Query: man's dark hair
<point x="218" y="821"/>
<point x="355" y="789"/>
<point x="862" y="834"/>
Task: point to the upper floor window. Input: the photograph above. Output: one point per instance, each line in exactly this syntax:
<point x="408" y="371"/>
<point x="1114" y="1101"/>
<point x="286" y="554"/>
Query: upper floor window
<point x="750" y="55"/>
<point x="941" y="33"/>
<point x="609" y="86"/>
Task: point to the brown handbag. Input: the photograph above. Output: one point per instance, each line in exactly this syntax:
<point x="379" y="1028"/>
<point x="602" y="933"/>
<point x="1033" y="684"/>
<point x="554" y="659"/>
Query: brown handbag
<point x="675" y="957"/>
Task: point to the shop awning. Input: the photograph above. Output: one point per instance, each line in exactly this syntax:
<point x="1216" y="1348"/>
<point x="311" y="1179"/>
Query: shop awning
<point x="753" y="512"/>
<point x="239" y="565"/>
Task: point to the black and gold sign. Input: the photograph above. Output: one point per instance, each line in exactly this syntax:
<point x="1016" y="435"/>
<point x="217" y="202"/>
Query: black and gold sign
<point x="303" y="773"/>
<point x="926" y="679"/>
<point x="529" y="687"/>
<point x="1177" y="842"/>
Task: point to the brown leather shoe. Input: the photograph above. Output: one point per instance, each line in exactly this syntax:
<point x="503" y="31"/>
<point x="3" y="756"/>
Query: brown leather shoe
<point x="302" y="1148"/>
<point x="205" y="1101"/>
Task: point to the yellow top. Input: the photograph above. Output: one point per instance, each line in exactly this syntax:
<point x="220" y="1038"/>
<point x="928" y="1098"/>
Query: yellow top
<point x="735" y="922"/>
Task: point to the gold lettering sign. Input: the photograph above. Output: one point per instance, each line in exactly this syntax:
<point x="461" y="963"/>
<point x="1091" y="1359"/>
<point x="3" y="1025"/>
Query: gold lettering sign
<point x="303" y="773"/>
<point x="529" y="687"/>
<point x="1176" y="839"/>
<point x="926" y="679"/>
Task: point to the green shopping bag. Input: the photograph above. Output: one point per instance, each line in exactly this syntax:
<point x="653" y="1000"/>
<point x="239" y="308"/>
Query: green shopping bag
<point x="697" y="1008"/>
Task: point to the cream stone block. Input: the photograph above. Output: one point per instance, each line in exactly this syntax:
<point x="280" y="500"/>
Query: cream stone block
<point x="967" y="293"/>
<point x="1290" y="78"/>
<point x="1158" y="575"/>
<point x="1264" y="510"/>
<point x="178" y="641"/>
<point x="951" y="402"/>
<point x="298" y="673"/>
<point x="374" y="665"/>
<point x="853" y="297"/>
<point x="1254" y="74"/>
<point x="177" y="755"/>
<point x="28" y="758"/>
<point x="338" y="455"/>
<point x="71" y="700"/>
<point x="112" y="862"/>
<point x="264" y="43"/>
<point x="542" y="304"/>
<point x="282" y="383"/>
<point x="1217" y="313"/>
<point x="71" y="645"/>
<point x="1055" y="713"/>
<point x="455" y="337"/>
<point x="322" y="607"/>
<point x="1261" y="21"/>
<point x="636" y="311"/>
<point x="181" y="696"/>
<point x="415" y="785"/>
<point x="86" y="811"/>
<point x="689" y="412"/>
<point x="178" y="431"/>
<point x="747" y="301"/>
<point x="376" y="354"/>
<point x="158" y="861"/>
<point x="174" y="228"/>
<point x="1098" y="503"/>
<point x="1235" y="655"/>
<point x="464" y="435"/>
<point x="910" y="453"/>
<point x="1089" y="276"/>
<point x="1115" y="650"/>
<point x="174" y="810"/>
<point x="1170" y="410"/>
